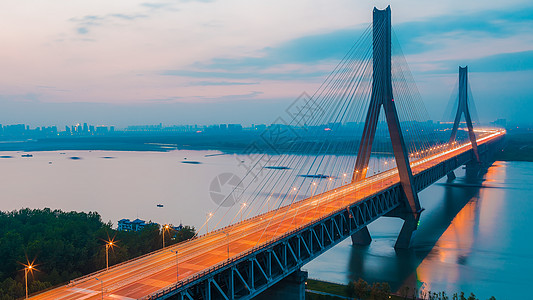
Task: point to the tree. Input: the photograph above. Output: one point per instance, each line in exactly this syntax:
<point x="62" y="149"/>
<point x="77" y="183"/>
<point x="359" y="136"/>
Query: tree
<point x="350" y="289"/>
<point x="472" y="297"/>
<point x="404" y="292"/>
<point x="380" y="291"/>
<point x="187" y="232"/>
<point x="361" y="289"/>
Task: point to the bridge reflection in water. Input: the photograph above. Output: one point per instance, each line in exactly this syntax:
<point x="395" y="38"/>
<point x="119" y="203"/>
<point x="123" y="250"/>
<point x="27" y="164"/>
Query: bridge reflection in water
<point x="456" y="224"/>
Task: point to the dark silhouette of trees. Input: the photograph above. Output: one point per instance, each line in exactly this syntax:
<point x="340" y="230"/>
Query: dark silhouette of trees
<point x="362" y="290"/>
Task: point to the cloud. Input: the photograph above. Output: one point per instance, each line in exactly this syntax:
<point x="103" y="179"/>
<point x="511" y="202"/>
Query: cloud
<point x="202" y="1"/>
<point x="415" y="37"/>
<point x="155" y="5"/>
<point x="82" y="30"/>
<point x="204" y="99"/>
<point x="504" y="62"/>
<point x="306" y="49"/>
<point x="222" y="83"/>
<point x="128" y="17"/>
<point x="243" y="74"/>
<point x="84" y="23"/>
<point x="421" y="36"/>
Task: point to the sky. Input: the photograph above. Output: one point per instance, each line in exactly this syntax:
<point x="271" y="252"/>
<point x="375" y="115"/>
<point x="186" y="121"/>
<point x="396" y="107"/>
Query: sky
<point x="126" y="62"/>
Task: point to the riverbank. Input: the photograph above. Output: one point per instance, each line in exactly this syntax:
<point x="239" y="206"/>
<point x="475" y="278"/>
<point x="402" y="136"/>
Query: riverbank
<point x="323" y="290"/>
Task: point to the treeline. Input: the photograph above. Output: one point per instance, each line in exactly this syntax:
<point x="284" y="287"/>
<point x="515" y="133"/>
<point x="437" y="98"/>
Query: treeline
<point x="381" y="291"/>
<point x="66" y="245"/>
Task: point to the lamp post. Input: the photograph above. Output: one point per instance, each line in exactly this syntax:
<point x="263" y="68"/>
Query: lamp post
<point x="166" y="227"/>
<point x="108" y="245"/>
<point x="242" y="208"/>
<point x="313" y="190"/>
<point x="177" y="273"/>
<point x="102" y="285"/>
<point x="27" y="268"/>
<point x="207" y="218"/>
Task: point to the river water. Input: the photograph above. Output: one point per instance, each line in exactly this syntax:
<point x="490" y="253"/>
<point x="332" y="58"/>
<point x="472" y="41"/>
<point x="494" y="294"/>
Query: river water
<point x="474" y="235"/>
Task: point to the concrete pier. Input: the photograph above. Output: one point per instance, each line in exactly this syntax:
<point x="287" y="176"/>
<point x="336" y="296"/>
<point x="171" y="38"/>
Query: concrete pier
<point x="291" y="287"/>
<point x="362" y="237"/>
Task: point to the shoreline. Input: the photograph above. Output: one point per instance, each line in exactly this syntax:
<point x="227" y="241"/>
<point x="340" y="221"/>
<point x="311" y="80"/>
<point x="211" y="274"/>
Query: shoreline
<point x="514" y="150"/>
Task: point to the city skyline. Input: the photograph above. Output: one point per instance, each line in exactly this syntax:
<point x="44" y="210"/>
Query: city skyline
<point x="188" y="62"/>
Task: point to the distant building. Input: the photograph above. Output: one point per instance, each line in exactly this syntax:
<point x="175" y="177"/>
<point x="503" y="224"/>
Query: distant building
<point x="501" y="123"/>
<point x="178" y="228"/>
<point x="17" y="129"/>
<point x="101" y="129"/>
<point x="234" y="127"/>
<point x="127" y="225"/>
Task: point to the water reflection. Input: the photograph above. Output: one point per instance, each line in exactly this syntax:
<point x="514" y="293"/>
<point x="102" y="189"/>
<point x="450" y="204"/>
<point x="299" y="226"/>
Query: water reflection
<point x="444" y="241"/>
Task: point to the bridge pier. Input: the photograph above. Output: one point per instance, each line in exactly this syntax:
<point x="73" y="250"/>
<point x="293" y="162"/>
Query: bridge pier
<point x="473" y="168"/>
<point x="451" y="176"/>
<point x="291" y="287"/>
<point x="407" y="233"/>
<point x="362" y="237"/>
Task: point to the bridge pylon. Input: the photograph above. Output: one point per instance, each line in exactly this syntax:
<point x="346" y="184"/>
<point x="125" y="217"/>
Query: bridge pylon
<point x="382" y="96"/>
<point x="462" y="108"/>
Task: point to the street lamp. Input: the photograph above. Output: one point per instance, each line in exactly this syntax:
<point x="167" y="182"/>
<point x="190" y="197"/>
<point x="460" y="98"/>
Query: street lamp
<point x="108" y="245"/>
<point x="242" y="208"/>
<point x="177" y="274"/>
<point x="27" y="268"/>
<point x="166" y="227"/>
<point x="102" y="284"/>
<point x="207" y="218"/>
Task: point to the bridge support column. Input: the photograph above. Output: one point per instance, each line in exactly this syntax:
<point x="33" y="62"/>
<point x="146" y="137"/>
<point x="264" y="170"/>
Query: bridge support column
<point x="408" y="232"/>
<point x="289" y="288"/>
<point x="451" y="176"/>
<point x="362" y="237"/>
<point x="472" y="168"/>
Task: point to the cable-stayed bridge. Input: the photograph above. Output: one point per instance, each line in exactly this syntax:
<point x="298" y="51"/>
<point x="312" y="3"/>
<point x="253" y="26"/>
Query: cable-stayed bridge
<point x="303" y="203"/>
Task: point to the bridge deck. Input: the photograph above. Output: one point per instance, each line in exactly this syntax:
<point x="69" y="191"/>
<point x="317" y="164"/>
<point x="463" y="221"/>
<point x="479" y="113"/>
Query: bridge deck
<point x="143" y="276"/>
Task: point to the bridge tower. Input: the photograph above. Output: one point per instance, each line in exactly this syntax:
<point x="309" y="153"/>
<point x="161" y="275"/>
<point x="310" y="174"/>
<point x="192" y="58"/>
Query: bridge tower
<point x="382" y="96"/>
<point x="462" y="108"/>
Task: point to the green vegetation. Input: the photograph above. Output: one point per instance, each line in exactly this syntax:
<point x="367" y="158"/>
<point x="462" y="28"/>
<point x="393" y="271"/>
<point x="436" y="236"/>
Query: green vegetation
<point x="66" y="245"/>
<point x="327" y="287"/>
<point x="360" y="289"/>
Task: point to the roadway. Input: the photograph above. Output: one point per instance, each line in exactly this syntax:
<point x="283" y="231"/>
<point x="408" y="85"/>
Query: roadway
<point x="142" y="276"/>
